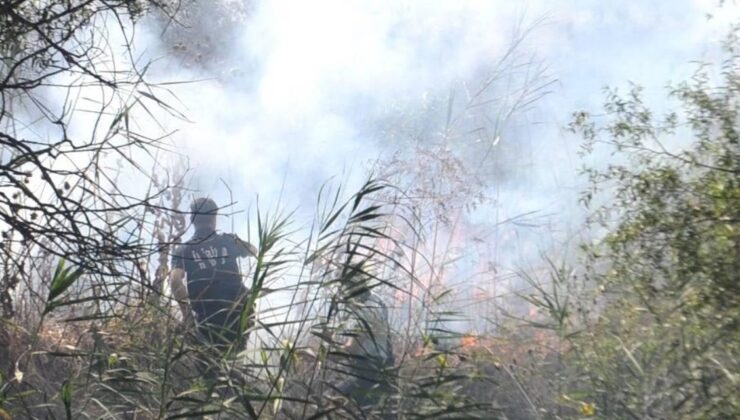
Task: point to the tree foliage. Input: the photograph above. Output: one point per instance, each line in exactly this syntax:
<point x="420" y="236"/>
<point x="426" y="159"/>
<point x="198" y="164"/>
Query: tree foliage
<point x="663" y="340"/>
<point x="60" y="194"/>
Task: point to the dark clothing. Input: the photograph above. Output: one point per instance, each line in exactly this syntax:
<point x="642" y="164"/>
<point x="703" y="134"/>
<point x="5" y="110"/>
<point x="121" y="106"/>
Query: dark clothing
<point x="370" y="362"/>
<point x="215" y="287"/>
<point x="368" y="396"/>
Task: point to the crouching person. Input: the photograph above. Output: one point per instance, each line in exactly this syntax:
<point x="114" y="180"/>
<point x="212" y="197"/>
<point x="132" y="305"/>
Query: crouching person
<point x="366" y="358"/>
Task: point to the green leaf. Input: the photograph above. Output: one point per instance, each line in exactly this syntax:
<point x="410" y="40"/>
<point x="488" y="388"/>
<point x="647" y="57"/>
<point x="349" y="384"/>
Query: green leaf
<point x="64" y="277"/>
<point x="66" y="395"/>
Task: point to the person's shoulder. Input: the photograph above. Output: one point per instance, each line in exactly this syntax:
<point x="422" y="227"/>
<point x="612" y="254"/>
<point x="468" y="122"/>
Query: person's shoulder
<point x="228" y="237"/>
<point x="197" y="239"/>
<point x="376" y="300"/>
<point x="189" y="244"/>
<point x="373" y="306"/>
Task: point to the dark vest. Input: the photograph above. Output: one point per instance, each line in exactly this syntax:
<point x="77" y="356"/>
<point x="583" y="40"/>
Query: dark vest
<point x="215" y="287"/>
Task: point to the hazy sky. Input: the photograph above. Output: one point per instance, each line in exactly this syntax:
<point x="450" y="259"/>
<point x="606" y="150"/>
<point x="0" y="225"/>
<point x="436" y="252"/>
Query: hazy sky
<point x="299" y="92"/>
<point x="315" y="77"/>
<point x="305" y="91"/>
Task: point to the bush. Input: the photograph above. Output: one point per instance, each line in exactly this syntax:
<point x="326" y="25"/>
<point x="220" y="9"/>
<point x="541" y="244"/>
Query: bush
<point x="661" y="339"/>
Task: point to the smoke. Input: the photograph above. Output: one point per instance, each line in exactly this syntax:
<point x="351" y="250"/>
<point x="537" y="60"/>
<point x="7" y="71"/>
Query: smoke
<point x="298" y="94"/>
<point x="307" y="91"/>
<point x="283" y="95"/>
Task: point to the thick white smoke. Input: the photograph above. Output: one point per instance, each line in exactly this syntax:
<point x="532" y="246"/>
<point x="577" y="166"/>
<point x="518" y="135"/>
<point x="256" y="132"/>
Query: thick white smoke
<point x="315" y="79"/>
<point x="301" y="88"/>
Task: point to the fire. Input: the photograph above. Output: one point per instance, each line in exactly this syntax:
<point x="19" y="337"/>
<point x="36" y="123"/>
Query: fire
<point x="468" y="341"/>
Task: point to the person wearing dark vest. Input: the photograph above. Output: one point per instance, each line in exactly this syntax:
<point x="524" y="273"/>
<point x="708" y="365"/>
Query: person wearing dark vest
<point x="207" y="262"/>
<point x="369" y="361"/>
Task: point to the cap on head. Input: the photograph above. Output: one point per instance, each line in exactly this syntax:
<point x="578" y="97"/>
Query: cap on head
<point x="203" y="212"/>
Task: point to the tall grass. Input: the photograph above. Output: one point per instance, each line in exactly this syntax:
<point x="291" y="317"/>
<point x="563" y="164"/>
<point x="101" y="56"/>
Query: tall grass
<point x="133" y="358"/>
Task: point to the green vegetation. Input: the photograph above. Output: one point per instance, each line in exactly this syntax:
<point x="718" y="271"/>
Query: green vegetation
<point x="654" y="332"/>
